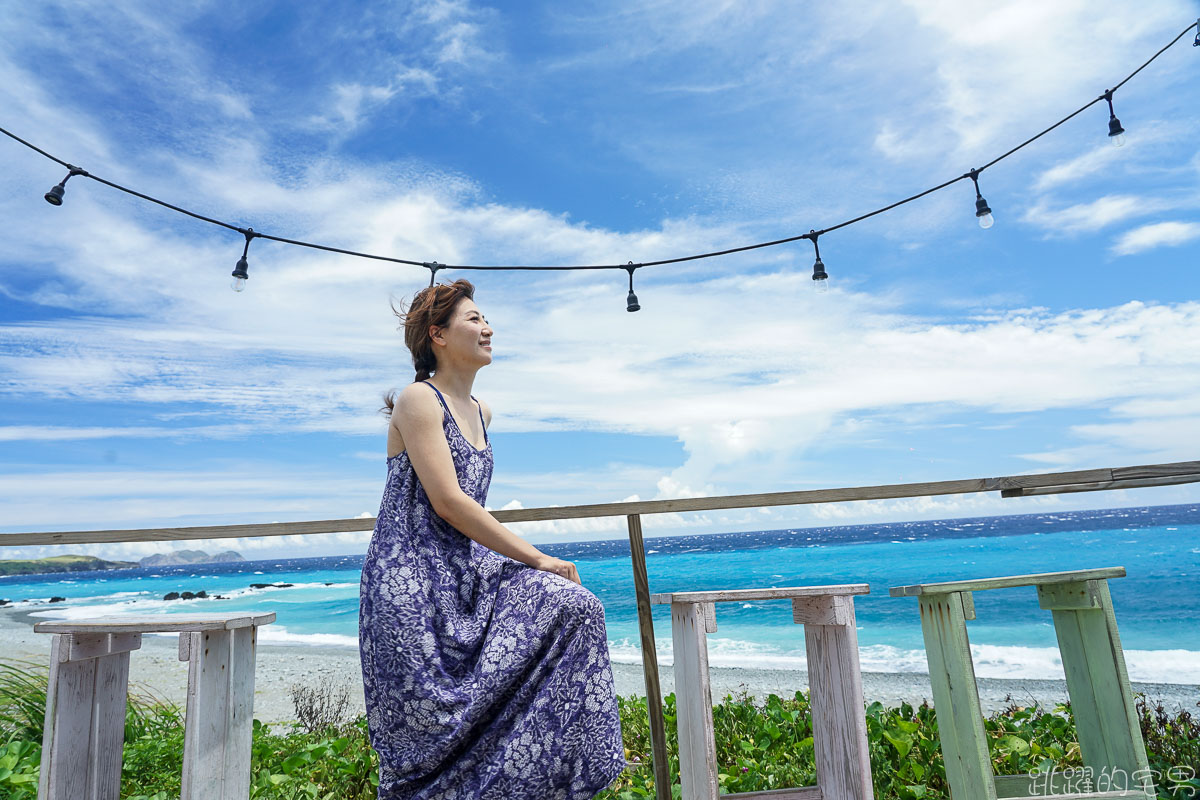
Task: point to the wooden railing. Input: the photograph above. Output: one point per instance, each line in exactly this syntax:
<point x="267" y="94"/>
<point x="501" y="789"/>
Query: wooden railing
<point x="1090" y="480"/>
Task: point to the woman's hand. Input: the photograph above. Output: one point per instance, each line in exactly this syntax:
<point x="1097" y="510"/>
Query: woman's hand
<point x="558" y="567"/>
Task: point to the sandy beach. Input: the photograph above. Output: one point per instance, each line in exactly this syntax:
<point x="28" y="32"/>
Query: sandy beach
<point x="156" y="670"/>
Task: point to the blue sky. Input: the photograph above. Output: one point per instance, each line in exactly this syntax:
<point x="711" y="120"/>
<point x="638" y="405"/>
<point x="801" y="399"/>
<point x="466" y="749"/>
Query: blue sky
<point x="138" y="390"/>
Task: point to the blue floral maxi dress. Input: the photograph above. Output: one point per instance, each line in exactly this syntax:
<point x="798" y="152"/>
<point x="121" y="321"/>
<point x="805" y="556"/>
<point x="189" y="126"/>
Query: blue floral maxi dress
<point x="484" y="677"/>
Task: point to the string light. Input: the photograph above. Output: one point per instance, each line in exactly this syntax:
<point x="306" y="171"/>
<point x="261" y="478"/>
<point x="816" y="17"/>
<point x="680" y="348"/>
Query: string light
<point x="1116" y="134"/>
<point x="55" y="196"/>
<point x="433" y="268"/>
<point x="982" y="211"/>
<point x="631" y="302"/>
<point x="241" y="271"/>
<point x="820" y="276"/>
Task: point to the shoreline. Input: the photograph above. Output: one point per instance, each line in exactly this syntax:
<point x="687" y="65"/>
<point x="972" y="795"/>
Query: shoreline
<point x="155" y="670"/>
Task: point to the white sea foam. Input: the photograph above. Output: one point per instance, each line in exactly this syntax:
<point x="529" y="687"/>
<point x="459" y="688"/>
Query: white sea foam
<point x="277" y="634"/>
<point x="991" y="661"/>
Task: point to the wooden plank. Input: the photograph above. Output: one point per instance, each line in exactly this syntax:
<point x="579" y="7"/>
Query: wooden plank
<point x="825" y="610"/>
<point x="107" y="737"/>
<point x="693" y="704"/>
<point x="840" y="495"/>
<point x="1127" y="707"/>
<point x="799" y="793"/>
<point x="658" y="729"/>
<point x="839" y="721"/>
<point x="1108" y="742"/>
<point x="1055" y="785"/>
<point x="745" y="595"/>
<point x="68" y="727"/>
<point x="59" y="645"/>
<point x="710" y="617"/>
<point x="983" y="584"/>
<point x="1101" y="486"/>
<point x="206" y="721"/>
<point x="956" y="698"/>
<point x="968" y="604"/>
<point x="241" y="714"/>
<point x="158" y="623"/>
<point x="1156" y="470"/>
<point x="84" y="646"/>
<point x="187" y="642"/>
<point x="1069" y="596"/>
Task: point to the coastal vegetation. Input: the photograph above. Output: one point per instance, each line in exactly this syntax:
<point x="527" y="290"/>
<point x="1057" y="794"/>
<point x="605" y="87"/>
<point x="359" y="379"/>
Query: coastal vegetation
<point x="68" y="563"/>
<point x="760" y="745"/>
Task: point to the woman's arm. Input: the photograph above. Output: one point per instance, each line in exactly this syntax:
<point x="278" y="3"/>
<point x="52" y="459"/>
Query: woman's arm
<point x="418" y="414"/>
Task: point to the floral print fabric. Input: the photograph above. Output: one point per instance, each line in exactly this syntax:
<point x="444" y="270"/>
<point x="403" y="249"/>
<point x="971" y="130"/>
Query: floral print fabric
<point x="484" y="677"/>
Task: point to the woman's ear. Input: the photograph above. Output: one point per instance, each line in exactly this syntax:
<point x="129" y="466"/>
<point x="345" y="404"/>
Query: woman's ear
<point x="435" y="335"/>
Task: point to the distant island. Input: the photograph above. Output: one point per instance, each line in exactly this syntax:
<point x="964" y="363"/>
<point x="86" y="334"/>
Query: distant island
<point x="72" y="563"/>
<point x="189" y="557"/>
<point x="78" y="563"/>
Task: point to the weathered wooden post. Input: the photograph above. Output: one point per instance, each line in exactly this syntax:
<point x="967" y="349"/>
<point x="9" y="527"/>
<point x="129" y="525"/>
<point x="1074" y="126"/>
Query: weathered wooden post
<point x="641" y="589"/>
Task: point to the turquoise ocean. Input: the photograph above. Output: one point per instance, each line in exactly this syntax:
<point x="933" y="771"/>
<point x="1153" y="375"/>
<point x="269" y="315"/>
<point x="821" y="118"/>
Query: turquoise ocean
<point x="1157" y="604"/>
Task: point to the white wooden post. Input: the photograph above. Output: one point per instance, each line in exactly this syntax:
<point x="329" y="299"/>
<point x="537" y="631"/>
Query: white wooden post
<point x="693" y="702"/>
<point x="84" y="733"/>
<point x="839" y="724"/>
<point x="207" y="717"/>
<point x="241" y="714"/>
<point x="835" y="693"/>
<point x="86" y="697"/>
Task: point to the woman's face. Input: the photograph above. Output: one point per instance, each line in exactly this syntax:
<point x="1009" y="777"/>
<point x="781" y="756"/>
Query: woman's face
<point x="467" y="336"/>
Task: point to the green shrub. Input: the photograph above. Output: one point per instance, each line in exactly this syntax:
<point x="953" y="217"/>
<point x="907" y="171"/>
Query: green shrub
<point x="759" y="747"/>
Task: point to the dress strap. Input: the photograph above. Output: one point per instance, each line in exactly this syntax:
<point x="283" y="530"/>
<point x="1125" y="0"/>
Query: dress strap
<point x="481" y="422"/>
<point x="439" y="394"/>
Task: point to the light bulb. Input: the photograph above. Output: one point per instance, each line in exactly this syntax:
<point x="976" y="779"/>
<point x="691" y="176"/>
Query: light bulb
<point x="1118" y="139"/>
<point x="986" y="220"/>
<point x="241" y="271"/>
<point x="821" y="286"/>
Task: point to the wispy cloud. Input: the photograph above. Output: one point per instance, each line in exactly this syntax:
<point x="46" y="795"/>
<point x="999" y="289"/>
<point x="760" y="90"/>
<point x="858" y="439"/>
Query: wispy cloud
<point x="1091" y="216"/>
<point x="1081" y="166"/>
<point x="1158" y="234"/>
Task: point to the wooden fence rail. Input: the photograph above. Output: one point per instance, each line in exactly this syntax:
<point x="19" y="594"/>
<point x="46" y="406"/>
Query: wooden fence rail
<point x="1009" y="486"/>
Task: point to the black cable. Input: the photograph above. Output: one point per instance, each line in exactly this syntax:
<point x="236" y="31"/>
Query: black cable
<point x="433" y="266"/>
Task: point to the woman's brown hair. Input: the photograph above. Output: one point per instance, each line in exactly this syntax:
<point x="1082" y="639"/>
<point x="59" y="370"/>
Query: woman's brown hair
<point x="432" y="305"/>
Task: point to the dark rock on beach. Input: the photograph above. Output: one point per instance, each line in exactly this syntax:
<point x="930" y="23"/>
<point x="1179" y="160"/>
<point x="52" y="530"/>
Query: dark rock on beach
<point x="57" y="599"/>
<point x="270" y="585"/>
<point x="186" y="595"/>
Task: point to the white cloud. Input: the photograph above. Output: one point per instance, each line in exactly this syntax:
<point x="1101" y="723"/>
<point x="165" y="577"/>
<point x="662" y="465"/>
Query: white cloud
<point x="1091" y="216"/>
<point x="1072" y="170"/>
<point x="1008" y="70"/>
<point x="1158" y="234"/>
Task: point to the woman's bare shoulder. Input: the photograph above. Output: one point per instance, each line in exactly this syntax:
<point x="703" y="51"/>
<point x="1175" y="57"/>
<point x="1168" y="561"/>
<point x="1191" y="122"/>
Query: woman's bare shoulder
<point x="416" y="400"/>
<point x="487" y="413"/>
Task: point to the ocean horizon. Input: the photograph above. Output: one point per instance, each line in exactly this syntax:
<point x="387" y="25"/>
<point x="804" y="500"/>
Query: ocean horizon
<point x="1156" y="604"/>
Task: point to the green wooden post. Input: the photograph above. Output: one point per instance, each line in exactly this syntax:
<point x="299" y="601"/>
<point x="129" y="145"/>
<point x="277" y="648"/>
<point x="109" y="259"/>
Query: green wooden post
<point x="1110" y="738"/>
<point x="955" y="697"/>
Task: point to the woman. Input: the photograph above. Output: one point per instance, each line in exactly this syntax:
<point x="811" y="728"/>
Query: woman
<point x="485" y="661"/>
